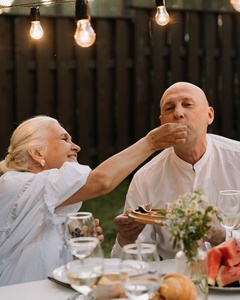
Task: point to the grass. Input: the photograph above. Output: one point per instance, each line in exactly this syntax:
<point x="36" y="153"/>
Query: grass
<point x="105" y="208"/>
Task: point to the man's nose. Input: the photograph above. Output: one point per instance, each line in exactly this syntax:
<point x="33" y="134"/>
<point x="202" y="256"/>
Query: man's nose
<point x="178" y="113"/>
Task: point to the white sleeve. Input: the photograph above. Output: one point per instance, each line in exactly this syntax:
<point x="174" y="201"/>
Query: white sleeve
<point x="116" y="250"/>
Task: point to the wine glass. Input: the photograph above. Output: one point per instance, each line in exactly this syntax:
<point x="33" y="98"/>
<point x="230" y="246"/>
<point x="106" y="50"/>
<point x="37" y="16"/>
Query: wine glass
<point x="228" y="204"/>
<point x="79" y="224"/>
<point x="138" y="274"/>
<point x="86" y="268"/>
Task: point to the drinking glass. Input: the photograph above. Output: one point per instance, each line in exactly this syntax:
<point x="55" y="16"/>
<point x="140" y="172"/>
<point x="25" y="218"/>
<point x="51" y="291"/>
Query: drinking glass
<point x="86" y="268"/>
<point x="79" y="224"/>
<point x="228" y="204"/>
<point x="139" y="275"/>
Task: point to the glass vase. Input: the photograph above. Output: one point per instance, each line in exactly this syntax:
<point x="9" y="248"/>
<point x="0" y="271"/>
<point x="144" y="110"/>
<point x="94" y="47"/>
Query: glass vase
<point x="196" y="269"/>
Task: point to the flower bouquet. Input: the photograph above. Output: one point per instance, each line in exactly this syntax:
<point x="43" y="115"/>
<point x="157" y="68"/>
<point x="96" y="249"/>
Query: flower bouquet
<point x="187" y="221"/>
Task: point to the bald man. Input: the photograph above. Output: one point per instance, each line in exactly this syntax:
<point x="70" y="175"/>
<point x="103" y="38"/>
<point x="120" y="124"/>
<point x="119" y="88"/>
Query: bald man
<point x="206" y="162"/>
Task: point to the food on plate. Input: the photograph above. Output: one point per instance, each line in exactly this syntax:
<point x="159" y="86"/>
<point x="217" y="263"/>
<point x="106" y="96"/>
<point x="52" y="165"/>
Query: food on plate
<point x="214" y="261"/>
<point x="109" y="278"/>
<point x="108" y="287"/>
<point x="144" y="208"/>
<point x="227" y="275"/>
<point x="176" y="286"/>
<point x="147" y="215"/>
<point x="224" y="264"/>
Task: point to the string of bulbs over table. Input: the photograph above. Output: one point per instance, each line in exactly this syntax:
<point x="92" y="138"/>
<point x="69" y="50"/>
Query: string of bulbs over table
<point x="85" y="35"/>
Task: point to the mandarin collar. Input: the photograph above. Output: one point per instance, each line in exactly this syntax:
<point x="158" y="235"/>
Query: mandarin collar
<point x="199" y="164"/>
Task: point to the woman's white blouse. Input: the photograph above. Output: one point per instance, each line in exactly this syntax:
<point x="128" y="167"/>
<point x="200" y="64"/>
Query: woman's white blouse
<point x="31" y="228"/>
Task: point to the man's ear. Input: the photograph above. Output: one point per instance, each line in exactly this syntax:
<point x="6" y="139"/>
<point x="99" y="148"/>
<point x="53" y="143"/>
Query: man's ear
<point x="210" y="115"/>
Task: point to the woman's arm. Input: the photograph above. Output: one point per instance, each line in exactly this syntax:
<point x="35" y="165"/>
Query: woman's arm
<point x="105" y="177"/>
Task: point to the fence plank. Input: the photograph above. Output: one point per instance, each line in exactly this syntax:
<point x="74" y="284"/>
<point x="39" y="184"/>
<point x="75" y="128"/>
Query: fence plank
<point x="160" y="65"/>
<point x="25" y="70"/>
<point x="6" y="84"/>
<point x="237" y="73"/>
<point x="227" y="78"/>
<point x="124" y="71"/>
<point x="211" y="65"/>
<point x="65" y="75"/>
<point x="86" y="105"/>
<point x="177" y="56"/>
<point x="142" y="73"/>
<point x="193" y="40"/>
<point x="105" y="89"/>
<point x="46" y="94"/>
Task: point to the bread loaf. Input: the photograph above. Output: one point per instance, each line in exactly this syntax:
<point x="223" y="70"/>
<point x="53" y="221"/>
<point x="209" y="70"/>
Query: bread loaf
<point x="176" y="286"/>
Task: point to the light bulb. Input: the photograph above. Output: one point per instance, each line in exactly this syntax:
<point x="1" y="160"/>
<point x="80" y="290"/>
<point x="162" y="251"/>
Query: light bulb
<point x="236" y="4"/>
<point x="84" y="35"/>
<point x="36" y="30"/>
<point x="162" y="16"/>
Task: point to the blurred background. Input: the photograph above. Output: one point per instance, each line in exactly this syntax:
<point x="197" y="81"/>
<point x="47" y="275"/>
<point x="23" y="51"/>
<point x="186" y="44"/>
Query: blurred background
<point x="107" y="95"/>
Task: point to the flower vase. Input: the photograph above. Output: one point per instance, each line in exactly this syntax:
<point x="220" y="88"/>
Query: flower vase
<point x="196" y="269"/>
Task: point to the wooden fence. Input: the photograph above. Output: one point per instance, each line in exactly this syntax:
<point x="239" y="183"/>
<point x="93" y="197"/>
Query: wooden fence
<point x="107" y="96"/>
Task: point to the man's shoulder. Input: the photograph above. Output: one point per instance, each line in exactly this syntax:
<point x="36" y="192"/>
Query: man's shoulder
<point x="224" y="142"/>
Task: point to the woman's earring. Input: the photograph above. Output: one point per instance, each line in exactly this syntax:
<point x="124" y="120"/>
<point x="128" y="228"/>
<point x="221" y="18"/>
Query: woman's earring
<point x="42" y="163"/>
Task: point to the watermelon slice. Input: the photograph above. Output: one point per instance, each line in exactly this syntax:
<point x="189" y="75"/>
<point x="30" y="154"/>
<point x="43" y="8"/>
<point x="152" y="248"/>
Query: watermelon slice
<point x="227" y="275"/>
<point x="233" y="261"/>
<point x="228" y="248"/>
<point x="214" y="260"/>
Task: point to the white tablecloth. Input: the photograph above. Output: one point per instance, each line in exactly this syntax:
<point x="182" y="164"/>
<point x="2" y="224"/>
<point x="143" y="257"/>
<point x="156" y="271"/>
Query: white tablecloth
<point x="47" y="290"/>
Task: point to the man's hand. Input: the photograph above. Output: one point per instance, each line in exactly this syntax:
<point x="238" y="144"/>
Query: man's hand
<point x="216" y="234"/>
<point x="128" y="230"/>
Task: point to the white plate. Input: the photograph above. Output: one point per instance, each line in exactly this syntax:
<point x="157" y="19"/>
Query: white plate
<point x="224" y="289"/>
<point x="111" y="266"/>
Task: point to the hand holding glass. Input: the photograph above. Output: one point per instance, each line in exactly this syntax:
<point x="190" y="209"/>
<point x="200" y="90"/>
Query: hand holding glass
<point x="79" y="224"/>
<point x="138" y="275"/>
<point x="228" y="204"/>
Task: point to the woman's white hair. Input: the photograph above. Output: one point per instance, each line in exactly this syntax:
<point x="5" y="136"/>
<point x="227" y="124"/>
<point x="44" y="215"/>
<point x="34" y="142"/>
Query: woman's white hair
<point x="32" y="133"/>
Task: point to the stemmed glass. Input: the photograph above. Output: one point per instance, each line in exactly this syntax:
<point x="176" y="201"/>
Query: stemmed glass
<point x="79" y="224"/>
<point x="86" y="268"/>
<point x="139" y="276"/>
<point x="228" y="204"/>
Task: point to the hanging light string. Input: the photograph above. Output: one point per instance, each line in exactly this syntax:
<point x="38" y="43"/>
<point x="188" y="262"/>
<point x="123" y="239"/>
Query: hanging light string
<point x="46" y="3"/>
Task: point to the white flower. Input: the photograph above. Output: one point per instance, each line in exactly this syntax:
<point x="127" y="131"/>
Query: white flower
<point x="188" y="220"/>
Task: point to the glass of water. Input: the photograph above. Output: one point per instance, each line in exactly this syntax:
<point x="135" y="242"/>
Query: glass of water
<point x="228" y="204"/>
<point x="87" y="266"/>
<point x="139" y="274"/>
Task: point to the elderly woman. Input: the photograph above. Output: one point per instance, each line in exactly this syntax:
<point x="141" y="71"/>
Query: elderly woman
<point x="41" y="181"/>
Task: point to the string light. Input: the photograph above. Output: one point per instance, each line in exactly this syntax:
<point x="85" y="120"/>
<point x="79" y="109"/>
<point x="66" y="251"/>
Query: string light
<point x="235" y="4"/>
<point x="162" y="16"/>
<point x="84" y="35"/>
<point x="36" y="30"/>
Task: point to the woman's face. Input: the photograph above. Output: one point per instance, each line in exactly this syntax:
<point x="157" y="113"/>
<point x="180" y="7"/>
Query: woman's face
<point x="59" y="148"/>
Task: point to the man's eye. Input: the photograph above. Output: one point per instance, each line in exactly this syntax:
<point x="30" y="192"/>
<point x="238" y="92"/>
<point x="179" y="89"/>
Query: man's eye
<point x="168" y="108"/>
